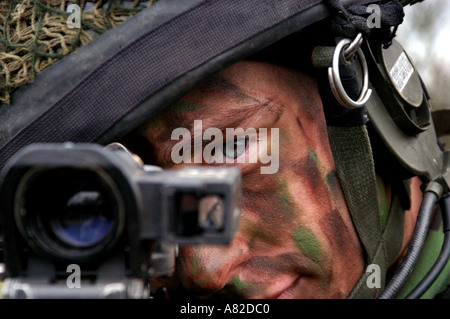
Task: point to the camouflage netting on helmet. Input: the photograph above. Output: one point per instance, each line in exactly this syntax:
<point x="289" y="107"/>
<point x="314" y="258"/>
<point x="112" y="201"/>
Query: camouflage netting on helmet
<point x="37" y="33"/>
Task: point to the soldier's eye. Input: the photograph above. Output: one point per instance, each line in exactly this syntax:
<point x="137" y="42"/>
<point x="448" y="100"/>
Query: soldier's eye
<point x="234" y="148"/>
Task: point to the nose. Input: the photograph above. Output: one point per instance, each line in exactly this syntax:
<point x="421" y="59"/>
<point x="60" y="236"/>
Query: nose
<point x="206" y="269"/>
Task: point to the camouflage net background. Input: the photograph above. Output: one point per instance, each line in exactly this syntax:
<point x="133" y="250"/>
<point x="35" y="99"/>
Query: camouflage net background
<point x="34" y="34"/>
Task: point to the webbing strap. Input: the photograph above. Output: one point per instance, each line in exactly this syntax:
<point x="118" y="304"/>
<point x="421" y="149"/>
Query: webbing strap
<point x="353" y="158"/>
<point x="388" y="248"/>
<point x="355" y="167"/>
<point x="147" y="65"/>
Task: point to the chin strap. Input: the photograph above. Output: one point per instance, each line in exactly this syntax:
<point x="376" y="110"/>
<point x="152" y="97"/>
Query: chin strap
<point x="354" y="164"/>
<point x="381" y="237"/>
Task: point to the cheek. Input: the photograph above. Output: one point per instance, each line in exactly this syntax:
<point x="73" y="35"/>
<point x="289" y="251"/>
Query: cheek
<point x="277" y="205"/>
<point x="268" y="212"/>
<point x="316" y="191"/>
<point x="342" y="244"/>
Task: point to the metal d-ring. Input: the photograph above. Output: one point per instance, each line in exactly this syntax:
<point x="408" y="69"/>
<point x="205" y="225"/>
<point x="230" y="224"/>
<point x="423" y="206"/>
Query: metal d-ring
<point x="346" y="48"/>
<point x="350" y="50"/>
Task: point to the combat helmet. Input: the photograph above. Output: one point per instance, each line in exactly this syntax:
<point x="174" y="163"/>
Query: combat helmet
<point x="62" y="86"/>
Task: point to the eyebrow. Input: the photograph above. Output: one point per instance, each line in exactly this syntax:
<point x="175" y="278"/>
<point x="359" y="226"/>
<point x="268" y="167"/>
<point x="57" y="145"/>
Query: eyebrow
<point x="241" y="114"/>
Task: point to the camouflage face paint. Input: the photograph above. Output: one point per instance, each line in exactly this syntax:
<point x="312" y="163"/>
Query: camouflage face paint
<point x="322" y="185"/>
<point x="171" y="117"/>
<point x="259" y="233"/>
<point x="315" y="158"/>
<point x="286" y="201"/>
<point x="332" y="223"/>
<point x="183" y="106"/>
<point x="270" y="244"/>
<point x="273" y="208"/>
<point x="383" y="202"/>
<point x="237" y="288"/>
<point x="237" y="284"/>
<point x="332" y="181"/>
<point x="191" y="268"/>
<point x="195" y="265"/>
<point x="307" y="243"/>
<point x="312" y="172"/>
<point x="300" y="125"/>
<point x="285" y="137"/>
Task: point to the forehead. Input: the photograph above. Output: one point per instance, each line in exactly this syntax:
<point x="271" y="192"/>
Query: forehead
<point x="246" y="90"/>
<point x="249" y="80"/>
<point x="241" y="90"/>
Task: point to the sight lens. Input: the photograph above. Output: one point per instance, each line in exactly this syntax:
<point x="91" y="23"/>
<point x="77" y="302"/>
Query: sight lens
<point x="85" y="220"/>
<point x="69" y="213"/>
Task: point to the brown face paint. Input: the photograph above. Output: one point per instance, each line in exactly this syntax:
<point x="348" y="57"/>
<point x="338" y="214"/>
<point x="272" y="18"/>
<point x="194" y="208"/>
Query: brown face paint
<point x="315" y="158"/>
<point x="216" y="83"/>
<point x="220" y="85"/>
<point x="310" y="170"/>
<point x="313" y="174"/>
<point x="173" y="116"/>
<point x="300" y="125"/>
<point x="332" y="181"/>
<point x="320" y="186"/>
<point x="286" y="263"/>
<point x="259" y="233"/>
<point x="286" y="200"/>
<point x="332" y="223"/>
<point x="274" y="207"/>
<point x="264" y="269"/>
<point x="311" y="167"/>
<point x="263" y="229"/>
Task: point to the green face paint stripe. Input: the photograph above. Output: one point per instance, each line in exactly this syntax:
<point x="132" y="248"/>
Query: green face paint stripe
<point x="258" y="232"/>
<point x="307" y="243"/>
<point x="286" y="200"/>
<point x="237" y="284"/>
<point x="195" y="265"/>
<point x="313" y="155"/>
<point x="243" y="289"/>
<point x="195" y="269"/>
<point x="180" y="106"/>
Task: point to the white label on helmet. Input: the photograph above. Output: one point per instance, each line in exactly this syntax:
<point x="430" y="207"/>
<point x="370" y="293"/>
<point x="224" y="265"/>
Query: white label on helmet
<point x="401" y="71"/>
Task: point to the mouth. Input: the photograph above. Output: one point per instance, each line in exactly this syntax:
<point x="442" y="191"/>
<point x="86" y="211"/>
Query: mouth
<point x="287" y="290"/>
<point x="265" y="277"/>
<point x="277" y="277"/>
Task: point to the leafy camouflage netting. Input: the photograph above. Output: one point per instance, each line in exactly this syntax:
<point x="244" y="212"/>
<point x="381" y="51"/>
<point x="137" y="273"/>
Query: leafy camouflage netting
<point x="37" y="33"/>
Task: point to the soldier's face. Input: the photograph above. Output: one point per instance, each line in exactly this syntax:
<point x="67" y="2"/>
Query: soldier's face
<point x="296" y="238"/>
